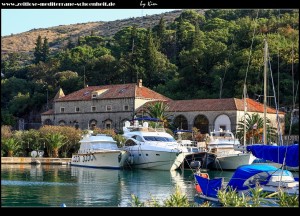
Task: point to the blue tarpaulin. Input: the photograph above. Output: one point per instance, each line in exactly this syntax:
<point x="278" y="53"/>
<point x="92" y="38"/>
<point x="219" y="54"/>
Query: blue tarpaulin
<point x="245" y="172"/>
<point x="146" y="118"/>
<point x="277" y="153"/>
<point x="209" y="187"/>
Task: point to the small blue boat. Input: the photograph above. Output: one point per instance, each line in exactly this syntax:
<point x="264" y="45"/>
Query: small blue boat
<point x="269" y="177"/>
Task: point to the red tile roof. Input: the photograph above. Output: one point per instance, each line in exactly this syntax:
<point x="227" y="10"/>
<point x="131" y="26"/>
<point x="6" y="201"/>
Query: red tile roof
<point x="225" y="104"/>
<point x="49" y="112"/>
<point x="114" y="91"/>
<point x="254" y="106"/>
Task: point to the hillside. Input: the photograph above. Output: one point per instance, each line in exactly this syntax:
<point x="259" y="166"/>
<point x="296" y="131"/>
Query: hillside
<point x="59" y="35"/>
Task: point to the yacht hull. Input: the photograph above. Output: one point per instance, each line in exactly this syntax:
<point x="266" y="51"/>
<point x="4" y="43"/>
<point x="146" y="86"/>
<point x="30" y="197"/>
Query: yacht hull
<point x="158" y="160"/>
<point x="233" y="161"/>
<point x="102" y="159"/>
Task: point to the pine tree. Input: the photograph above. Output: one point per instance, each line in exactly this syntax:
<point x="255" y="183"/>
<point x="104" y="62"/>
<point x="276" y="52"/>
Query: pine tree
<point x="45" y="50"/>
<point x="161" y="29"/>
<point x="151" y="58"/>
<point x="38" y="50"/>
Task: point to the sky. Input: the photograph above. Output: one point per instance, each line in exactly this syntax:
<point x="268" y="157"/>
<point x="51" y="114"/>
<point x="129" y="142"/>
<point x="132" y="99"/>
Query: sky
<point x="14" y="21"/>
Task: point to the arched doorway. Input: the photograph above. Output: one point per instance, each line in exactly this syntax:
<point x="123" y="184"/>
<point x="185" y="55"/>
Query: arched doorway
<point x="92" y="124"/>
<point x="48" y="122"/>
<point x="222" y="121"/>
<point x="180" y="122"/>
<point x="202" y="123"/>
<point x="61" y="123"/>
<point x="107" y="124"/>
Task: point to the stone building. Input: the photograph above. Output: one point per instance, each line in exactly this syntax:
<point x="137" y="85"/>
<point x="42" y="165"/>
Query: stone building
<point x="101" y="106"/>
<point x="111" y="105"/>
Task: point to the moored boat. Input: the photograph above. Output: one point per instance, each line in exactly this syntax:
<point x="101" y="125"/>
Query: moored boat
<point x="99" y="151"/>
<point x="223" y="144"/>
<point x="152" y="148"/>
<point x="246" y="177"/>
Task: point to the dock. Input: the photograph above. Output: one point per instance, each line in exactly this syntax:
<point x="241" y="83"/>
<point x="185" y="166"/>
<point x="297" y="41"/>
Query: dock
<point x="35" y="160"/>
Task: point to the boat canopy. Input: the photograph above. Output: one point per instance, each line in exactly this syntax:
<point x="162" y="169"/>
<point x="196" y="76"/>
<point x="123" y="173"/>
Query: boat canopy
<point x="277" y="153"/>
<point x="146" y="118"/>
<point x="247" y="176"/>
<point x="209" y="187"/>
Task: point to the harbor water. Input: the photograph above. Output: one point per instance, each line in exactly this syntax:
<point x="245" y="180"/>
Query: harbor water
<point x="25" y="185"/>
<point x="51" y="185"/>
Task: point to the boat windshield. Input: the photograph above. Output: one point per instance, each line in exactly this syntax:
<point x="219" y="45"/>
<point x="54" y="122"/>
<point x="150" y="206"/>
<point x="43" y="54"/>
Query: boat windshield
<point x="158" y="138"/>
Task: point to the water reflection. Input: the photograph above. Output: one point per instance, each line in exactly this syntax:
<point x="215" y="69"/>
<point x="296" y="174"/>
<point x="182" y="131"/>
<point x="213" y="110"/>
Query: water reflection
<point x="51" y="185"/>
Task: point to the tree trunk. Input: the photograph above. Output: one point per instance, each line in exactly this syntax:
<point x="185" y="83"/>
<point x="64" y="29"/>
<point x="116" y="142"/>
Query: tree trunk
<point x="55" y="153"/>
<point x="10" y="153"/>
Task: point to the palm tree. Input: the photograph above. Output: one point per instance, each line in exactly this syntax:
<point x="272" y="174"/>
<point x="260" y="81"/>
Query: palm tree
<point x="254" y="129"/>
<point x="11" y="145"/>
<point x="55" y="142"/>
<point x="158" y="110"/>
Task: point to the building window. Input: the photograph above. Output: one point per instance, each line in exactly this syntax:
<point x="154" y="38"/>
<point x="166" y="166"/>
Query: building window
<point x="93" y="108"/>
<point x="108" y="126"/>
<point x="62" y="109"/>
<point x="108" y="108"/>
<point x="76" y="109"/>
<point x="94" y="96"/>
<point x="125" y="107"/>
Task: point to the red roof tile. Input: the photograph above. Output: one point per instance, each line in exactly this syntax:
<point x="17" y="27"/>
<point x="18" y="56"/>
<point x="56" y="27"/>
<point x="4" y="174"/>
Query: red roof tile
<point x="217" y="105"/>
<point x="113" y="91"/>
<point x="254" y="106"/>
<point x="49" y="112"/>
<point x="202" y="105"/>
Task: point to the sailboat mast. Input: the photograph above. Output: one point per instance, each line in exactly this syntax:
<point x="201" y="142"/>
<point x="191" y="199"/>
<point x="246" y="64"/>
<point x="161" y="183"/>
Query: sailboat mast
<point x="245" y="110"/>
<point x="265" y="91"/>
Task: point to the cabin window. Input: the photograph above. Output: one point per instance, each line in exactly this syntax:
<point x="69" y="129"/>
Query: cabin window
<point x="125" y="107"/>
<point x="76" y="109"/>
<point x="62" y="109"/>
<point x="108" y="107"/>
<point x="130" y="143"/>
<point x="93" y="108"/>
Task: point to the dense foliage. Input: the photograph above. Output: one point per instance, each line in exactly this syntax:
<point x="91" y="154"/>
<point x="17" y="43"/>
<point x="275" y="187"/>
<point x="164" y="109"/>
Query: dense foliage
<point x="196" y="56"/>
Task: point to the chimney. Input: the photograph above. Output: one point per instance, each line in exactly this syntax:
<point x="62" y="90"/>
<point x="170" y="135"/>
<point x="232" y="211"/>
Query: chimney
<point x="140" y="82"/>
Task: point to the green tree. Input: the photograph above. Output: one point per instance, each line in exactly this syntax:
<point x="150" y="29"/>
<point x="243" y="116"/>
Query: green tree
<point x="254" y="129"/>
<point x="55" y="141"/>
<point x="158" y="110"/>
<point x="11" y="145"/>
<point x="45" y="50"/>
<point x="38" y="50"/>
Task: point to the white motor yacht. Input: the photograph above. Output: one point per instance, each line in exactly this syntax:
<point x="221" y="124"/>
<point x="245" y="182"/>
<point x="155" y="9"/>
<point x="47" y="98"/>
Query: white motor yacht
<point x="223" y="144"/>
<point x="99" y="151"/>
<point x="152" y="148"/>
